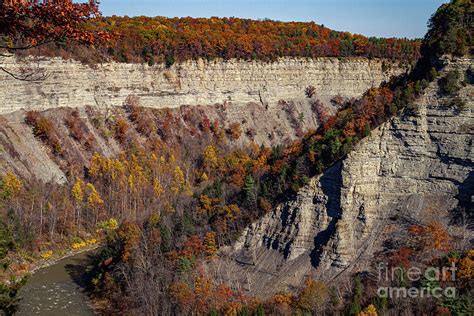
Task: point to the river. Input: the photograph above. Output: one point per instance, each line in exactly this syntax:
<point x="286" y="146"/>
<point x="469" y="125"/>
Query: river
<point x="57" y="289"/>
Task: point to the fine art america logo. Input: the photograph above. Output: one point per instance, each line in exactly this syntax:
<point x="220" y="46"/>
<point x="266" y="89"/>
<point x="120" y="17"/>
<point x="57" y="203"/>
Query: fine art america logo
<point x="430" y="279"/>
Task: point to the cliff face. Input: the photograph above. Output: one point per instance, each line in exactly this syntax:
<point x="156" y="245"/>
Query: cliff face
<point x="71" y="84"/>
<point x="411" y="169"/>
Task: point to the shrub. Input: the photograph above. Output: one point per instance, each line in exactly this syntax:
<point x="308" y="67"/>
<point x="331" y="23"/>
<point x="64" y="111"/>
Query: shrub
<point x="43" y="128"/>
<point x="121" y="128"/>
<point x="132" y="106"/>
<point x="450" y="83"/>
<point x="234" y="131"/>
<point x="459" y="104"/>
<point x="319" y="109"/>
<point x="314" y="297"/>
<point x="310" y="91"/>
<point x="78" y="130"/>
<point x="338" y="100"/>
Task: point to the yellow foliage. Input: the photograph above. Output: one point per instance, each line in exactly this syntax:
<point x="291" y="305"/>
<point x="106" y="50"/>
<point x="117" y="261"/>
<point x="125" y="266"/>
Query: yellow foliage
<point x="157" y="187"/>
<point x="101" y="166"/>
<point x="211" y="158"/>
<point x="202" y="285"/>
<point x="77" y="191"/>
<point x="137" y="176"/>
<point x="168" y="208"/>
<point x="96" y="165"/>
<point x="47" y="254"/>
<point x="91" y="241"/>
<point x="231" y="211"/>
<point x="255" y="148"/>
<point x="210" y="246"/>
<point x="178" y="180"/>
<point x="11" y="184"/>
<point x="369" y="311"/>
<point x="131" y="182"/>
<point x="314" y="296"/>
<point x="111" y="224"/>
<point x="78" y="245"/>
<point x="283" y="298"/>
<point x="206" y="203"/>
<point x="466" y="267"/>
<point x="154" y="219"/>
<point x="204" y="177"/>
<point x="233" y="309"/>
<point x="94" y="199"/>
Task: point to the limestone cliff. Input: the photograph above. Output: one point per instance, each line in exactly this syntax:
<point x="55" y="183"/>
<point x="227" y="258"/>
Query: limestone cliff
<point x="413" y="167"/>
<point x="72" y="84"/>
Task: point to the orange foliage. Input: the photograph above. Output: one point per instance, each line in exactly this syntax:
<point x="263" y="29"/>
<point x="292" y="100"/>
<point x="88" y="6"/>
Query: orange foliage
<point x="432" y="236"/>
<point x="29" y="24"/>
<point x="401" y="257"/>
<point x="167" y="40"/>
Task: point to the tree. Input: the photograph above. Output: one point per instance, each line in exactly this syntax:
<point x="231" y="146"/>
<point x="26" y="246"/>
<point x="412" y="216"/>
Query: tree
<point x="450" y="83"/>
<point x="355" y="307"/>
<point x="235" y="131"/>
<point x="77" y="191"/>
<point x="250" y="191"/>
<point x="210" y="247"/>
<point x="93" y="200"/>
<point x="211" y="159"/>
<point x="314" y="297"/>
<point x="320" y="110"/>
<point x="450" y="30"/>
<point x="10" y="185"/>
<point x="169" y="40"/>
<point x="178" y="184"/>
<point x="9" y="296"/>
<point x="369" y="311"/>
<point x="28" y="24"/>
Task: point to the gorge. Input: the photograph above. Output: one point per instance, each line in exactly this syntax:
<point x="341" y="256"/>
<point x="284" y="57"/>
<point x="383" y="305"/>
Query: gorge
<point x="234" y="166"/>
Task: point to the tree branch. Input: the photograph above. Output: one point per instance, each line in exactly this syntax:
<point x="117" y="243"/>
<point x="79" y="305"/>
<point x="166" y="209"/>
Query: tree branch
<point x="33" y="76"/>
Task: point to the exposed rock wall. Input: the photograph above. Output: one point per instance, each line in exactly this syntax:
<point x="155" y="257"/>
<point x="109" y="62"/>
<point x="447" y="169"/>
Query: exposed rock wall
<point x="419" y="166"/>
<point x="72" y="84"/>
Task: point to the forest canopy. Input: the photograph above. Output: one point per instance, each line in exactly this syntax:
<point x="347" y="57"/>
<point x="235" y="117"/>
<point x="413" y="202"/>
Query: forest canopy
<point x="450" y="30"/>
<point x="167" y="40"/>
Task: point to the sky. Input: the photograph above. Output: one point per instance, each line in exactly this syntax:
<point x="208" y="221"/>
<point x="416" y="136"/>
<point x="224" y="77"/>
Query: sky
<point x="383" y="18"/>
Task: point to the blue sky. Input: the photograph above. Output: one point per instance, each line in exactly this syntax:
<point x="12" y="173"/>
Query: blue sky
<point x="387" y="18"/>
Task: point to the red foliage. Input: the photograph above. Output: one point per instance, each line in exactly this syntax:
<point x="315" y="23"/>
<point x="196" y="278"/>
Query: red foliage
<point x="401" y="257"/>
<point x="166" y="40"/>
<point x="29" y="24"/>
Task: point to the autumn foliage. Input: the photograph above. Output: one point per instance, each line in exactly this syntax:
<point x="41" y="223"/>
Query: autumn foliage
<point x="169" y="40"/>
<point x="177" y="188"/>
<point x="26" y="24"/>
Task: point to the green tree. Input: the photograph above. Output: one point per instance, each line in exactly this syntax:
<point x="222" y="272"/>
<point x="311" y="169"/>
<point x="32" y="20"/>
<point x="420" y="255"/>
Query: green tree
<point x="355" y="308"/>
<point x="9" y="298"/>
<point x="250" y="191"/>
<point x="450" y="83"/>
<point x="450" y="30"/>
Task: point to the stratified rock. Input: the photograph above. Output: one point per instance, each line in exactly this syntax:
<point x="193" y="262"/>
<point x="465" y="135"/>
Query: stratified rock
<point x="72" y="84"/>
<point x="417" y="167"/>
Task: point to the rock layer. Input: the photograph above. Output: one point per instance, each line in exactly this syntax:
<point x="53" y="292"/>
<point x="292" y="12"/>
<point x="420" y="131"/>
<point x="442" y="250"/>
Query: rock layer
<point x="72" y="84"/>
<point x="417" y="167"/>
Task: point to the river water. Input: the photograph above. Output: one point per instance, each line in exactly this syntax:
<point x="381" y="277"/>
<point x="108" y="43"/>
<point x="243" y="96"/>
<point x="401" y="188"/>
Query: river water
<point x="57" y="290"/>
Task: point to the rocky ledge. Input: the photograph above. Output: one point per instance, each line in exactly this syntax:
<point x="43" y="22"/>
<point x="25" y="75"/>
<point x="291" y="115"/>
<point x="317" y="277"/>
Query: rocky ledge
<point x="69" y="83"/>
